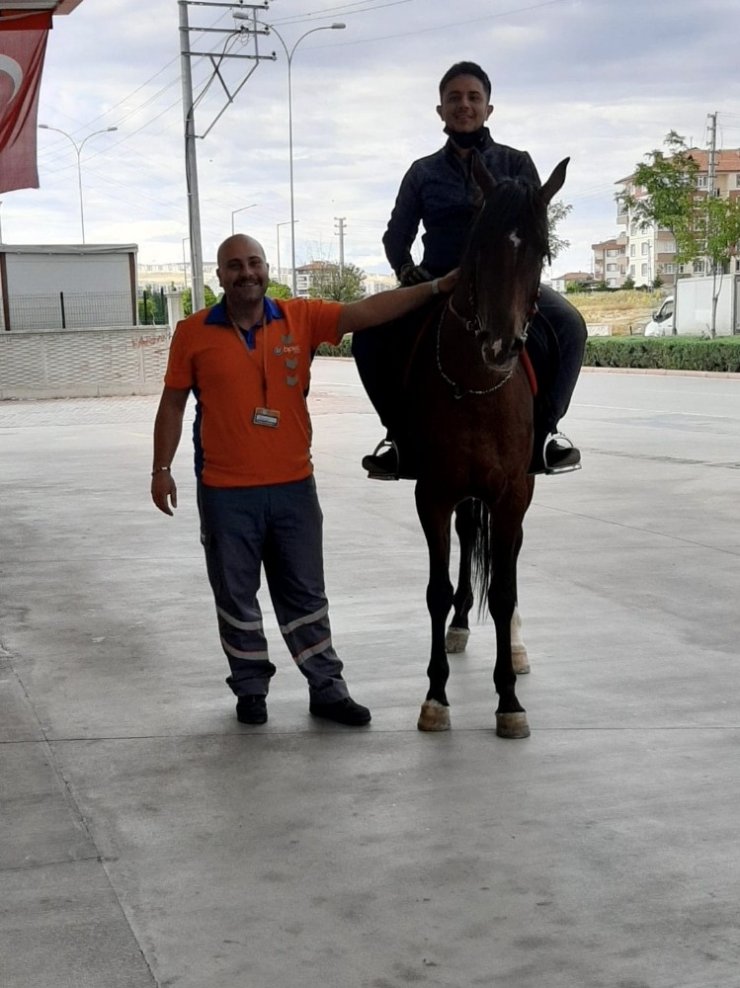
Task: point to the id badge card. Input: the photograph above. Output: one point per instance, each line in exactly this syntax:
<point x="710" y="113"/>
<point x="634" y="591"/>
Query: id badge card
<point x="269" y="417"/>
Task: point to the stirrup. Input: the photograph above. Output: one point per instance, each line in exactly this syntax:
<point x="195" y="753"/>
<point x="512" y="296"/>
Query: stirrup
<point x="384" y="446"/>
<point x="565" y="467"/>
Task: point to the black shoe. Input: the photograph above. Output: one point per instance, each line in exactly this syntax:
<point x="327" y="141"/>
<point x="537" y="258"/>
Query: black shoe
<point x="382" y="466"/>
<point x="251" y="709"/>
<point x="558" y="455"/>
<point x="561" y="454"/>
<point x="344" y="711"/>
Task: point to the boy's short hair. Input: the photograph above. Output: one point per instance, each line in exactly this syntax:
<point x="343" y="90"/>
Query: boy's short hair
<point x="465" y="68"/>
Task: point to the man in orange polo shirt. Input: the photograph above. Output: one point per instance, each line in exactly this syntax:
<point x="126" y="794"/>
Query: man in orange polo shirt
<point x="247" y="360"/>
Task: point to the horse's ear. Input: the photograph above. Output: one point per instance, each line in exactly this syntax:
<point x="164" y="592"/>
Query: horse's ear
<point x="555" y="182"/>
<point x="483" y="178"/>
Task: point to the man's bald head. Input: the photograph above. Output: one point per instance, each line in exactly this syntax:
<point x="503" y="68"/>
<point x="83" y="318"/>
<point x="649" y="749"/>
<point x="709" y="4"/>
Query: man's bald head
<point x="243" y="273"/>
<point x="242" y="244"/>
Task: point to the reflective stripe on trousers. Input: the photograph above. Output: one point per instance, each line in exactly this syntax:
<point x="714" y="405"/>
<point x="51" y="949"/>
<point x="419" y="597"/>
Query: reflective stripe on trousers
<point x="279" y="527"/>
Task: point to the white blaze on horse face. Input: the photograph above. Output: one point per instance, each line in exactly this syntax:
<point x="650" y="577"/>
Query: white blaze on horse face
<point x="515" y="238"/>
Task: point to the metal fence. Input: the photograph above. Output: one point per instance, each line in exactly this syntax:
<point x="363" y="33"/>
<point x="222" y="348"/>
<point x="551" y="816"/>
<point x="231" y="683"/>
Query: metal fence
<point x="65" y="310"/>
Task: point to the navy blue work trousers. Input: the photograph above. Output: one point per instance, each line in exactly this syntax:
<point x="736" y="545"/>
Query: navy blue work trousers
<point x="279" y="527"/>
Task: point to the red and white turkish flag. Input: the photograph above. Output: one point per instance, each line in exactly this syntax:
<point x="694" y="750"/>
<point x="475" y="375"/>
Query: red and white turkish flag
<point x="22" y="50"/>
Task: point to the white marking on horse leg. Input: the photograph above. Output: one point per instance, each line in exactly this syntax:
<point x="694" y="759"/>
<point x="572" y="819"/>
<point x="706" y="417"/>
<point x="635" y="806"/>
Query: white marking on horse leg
<point x="515" y="238"/>
<point x="519" y="657"/>
<point x="434" y="716"/>
<point x="456" y="639"/>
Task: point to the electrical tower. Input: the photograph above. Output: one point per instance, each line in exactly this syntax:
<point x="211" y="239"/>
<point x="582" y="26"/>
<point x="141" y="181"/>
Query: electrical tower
<point x="218" y="60"/>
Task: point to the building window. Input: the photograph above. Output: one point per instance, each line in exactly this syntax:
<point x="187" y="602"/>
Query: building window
<point x="632" y="250"/>
<point x="644" y="270"/>
<point x="632" y="271"/>
<point x="612" y="267"/>
<point x="702" y="181"/>
<point x="644" y="248"/>
<point x="698" y="267"/>
<point x="669" y="269"/>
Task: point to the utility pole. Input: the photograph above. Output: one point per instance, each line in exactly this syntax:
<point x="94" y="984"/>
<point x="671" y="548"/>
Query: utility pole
<point x="711" y="185"/>
<point x="340" y="222"/>
<point x="712" y="178"/>
<point x="218" y="60"/>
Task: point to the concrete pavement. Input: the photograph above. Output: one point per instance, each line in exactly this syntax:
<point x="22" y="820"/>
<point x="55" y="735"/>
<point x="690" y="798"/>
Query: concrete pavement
<point x="149" y="839"/>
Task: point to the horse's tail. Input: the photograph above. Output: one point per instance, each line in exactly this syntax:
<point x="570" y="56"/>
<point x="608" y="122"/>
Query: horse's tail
<point x="481" y="556"/>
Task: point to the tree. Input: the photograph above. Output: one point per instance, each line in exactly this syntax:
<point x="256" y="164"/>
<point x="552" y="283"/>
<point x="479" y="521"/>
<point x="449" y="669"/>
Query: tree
<point x="341" y="286"/>
<point x="556" y="212"/>
<point x="722" y="243"/>
<point x="668" y="196"/>
<point x="723" y="231"/>
<point x="277" y="289"/>
<point x="209" y="298"/>
<point x="152" y="306"/>
<point x="702" y="226"/>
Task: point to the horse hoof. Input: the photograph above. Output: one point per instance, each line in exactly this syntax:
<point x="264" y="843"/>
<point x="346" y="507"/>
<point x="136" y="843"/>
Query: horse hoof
<point x="456" y="639"/>
<point x="512" y="725"/>
<point x="520" y="661"/>
<point x="434" y="716"/>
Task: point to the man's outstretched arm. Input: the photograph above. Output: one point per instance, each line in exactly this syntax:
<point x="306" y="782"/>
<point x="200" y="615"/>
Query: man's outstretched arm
<point x="384" y="306"/>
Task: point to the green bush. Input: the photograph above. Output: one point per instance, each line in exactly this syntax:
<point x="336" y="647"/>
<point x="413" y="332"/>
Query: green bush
<point x="664" y="353"/>
<point x="343" y="350"/>
<point x="647" y="352"/>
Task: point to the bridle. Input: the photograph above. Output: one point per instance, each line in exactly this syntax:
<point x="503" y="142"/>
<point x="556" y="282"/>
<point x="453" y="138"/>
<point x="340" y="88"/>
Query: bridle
<point x="472" y="324"/>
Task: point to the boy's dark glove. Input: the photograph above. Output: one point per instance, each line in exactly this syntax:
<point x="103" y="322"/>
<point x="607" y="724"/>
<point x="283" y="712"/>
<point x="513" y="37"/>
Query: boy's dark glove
<point x="413" y="274"/>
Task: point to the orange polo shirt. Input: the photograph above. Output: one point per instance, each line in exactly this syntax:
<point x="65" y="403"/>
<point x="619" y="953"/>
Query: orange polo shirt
<point x="231" y="381"/>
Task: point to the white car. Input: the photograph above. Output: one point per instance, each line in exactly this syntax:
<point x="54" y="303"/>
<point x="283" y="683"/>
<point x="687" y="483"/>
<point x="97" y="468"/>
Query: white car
<point x="662" y="322"/>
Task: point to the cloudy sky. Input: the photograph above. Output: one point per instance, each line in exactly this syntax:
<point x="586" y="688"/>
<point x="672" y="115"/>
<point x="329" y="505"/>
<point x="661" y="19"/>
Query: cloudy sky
<point x="601" y="81"/>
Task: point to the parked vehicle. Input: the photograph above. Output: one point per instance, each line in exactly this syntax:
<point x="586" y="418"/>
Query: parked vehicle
<point x="662" y="322"/>
<point x="689" y="311"/>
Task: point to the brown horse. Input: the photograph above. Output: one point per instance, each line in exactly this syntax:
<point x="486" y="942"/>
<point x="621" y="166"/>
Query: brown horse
<point x="470" y="421"/>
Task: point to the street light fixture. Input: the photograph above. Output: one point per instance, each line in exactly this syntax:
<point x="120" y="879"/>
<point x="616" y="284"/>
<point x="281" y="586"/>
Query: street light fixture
<point x="289" y="52"/>
<point x="241" y="209"/>
<point x="78" y="148"/>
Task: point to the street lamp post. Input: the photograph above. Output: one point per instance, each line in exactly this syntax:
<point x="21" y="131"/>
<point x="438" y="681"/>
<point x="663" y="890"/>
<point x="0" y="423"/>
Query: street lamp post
<point x="241" y="209"/>
<point x="78" y="148"/>
<point x="289" y="52"/>
<point x="277" y="228"/>
<point x="184" y="263"/>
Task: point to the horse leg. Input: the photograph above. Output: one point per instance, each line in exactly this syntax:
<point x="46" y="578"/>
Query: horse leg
<point x="519" y="656"/>
<point x="435" y="521"/>
<point x="462" y="600"/>
<point x="511" y="718"/>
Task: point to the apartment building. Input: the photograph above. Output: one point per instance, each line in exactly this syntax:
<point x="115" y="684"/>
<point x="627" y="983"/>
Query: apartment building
<point x="644" y="255"/>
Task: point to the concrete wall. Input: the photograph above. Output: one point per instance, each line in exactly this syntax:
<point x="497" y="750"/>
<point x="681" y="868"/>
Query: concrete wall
<point x="83" y="363"/>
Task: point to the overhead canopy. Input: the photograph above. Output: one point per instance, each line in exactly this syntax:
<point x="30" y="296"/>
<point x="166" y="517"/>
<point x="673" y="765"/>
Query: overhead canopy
<point x="32" y="6"/>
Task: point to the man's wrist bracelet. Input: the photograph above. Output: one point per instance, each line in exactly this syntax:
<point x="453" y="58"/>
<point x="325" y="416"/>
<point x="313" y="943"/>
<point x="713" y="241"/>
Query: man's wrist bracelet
<point x="157" y="470"/>
<point x="435" y="286"/>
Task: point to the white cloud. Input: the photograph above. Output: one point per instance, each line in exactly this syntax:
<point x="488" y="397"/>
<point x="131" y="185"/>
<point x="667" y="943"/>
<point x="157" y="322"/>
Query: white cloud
<point x="598" y="81"/>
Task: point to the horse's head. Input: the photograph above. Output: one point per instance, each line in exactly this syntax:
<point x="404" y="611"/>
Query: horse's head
<point x="501" y="268"/>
